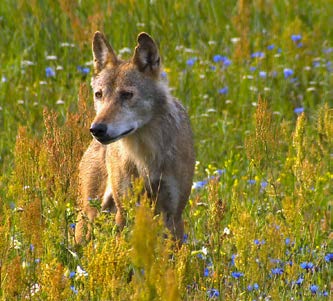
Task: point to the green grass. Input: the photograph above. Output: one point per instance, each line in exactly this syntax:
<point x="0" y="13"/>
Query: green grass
<point x="258" y="223"/>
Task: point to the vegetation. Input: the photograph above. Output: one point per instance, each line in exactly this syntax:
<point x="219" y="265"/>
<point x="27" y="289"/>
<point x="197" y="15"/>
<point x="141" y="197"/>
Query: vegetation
<point x="256" y="77"/>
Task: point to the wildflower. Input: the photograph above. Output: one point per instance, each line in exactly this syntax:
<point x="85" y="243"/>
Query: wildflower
<point x="307" y="265"/>
<point x="74" y="290"/>
<point x="51" y="57"/>
<point x="325" y="293"/>
<point x="190" y="62"/>
<point x="83" y="70"/>
<point x="299" y="281"/>
<point x="233" y="257"/>
<point x="270" y="47"/>
<point x="50" y="72"/>
<point x="199" y="184"/>
<point x="237" y="275"/>
<point x="213" y="292"/>
<point x="263" y="74"/>
<point x="32" y="247"/>
<point x="60" y="102"/>
<point x="313" y="288"/>
<point x="263" y="184"/>
<point x="3" y="79"/>
<point x="185" y="238"/>
<point x="206" y="272"/>
<point x="81" y="272"/>
<point x="72" y="226"/>
<point x="258" y="54"/>
<point x="287" y="72"/>
<point x="252" y="69"/>
<point x="164" y="74"/>
<point x="217" y="58"/>
<point x="287" y="241"/>
<point x="223" y="90"/>
<point x="226" y="231"/>
<point x="277" y="271"/>
<point x="72" y="274"/>
<point x="250" y="287"/>
<point x="258" y="242"/>
<point x="296" y="37"/>
<point x="251" y="182"/>
<point x="329" y="257"/>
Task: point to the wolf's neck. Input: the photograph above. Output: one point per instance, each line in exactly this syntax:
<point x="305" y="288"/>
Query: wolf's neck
<point x="151" y="145"/>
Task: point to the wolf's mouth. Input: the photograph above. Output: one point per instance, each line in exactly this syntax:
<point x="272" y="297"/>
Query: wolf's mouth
<point x="108" y="139"/>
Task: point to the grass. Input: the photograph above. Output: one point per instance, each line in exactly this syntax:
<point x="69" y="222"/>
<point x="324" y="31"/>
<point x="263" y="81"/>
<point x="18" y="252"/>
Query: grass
<point x="256" y="78"/>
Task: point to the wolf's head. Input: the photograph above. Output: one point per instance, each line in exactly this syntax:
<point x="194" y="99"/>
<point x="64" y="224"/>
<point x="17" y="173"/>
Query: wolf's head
<point x="127" y="94"/>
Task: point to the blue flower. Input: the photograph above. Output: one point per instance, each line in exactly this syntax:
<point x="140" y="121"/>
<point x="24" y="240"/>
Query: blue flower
<point x="226" y="62"/>
<point x="233" y="257"/>
<point x="223" y="90"/>
<point x="299" y="110"/>
<point x="164" y="74"/>
<point x="185" y="238"/>
<point x="251" y="182"/>
<point x="329" y="257"/>
<point x="252" y="69"/>
<point x="257" y="54"/>
<point x="288" y="72"/>
<point x="83" y="70"/>
<point x="223" y="59"/>
<point x="72" y="274"/>
<point x="299" y="281"/>
<point x="199" y="184"/>
<point x="250" y="287"/>
<point x="74" y="290"/>
<point x="287" y="241"/>
<point x="213" y="292"/>
<point x="263" y="184"/>
<point x="263" y="74"/>
<point x="217" y="58"/>
<point x="270" y="47"/>
<point x="296" y="37"/>
<point x="49" y="72"/>
<point x="237" y="275"/>
<point x="72" y="226"/>
<point x="307" y="265"/>
<point x="277" y="271"/>
<point x="206" y="272"/>
<point x="191" y="61"/>
<point x="258" y="242"/>
<point x="313" y="288"/>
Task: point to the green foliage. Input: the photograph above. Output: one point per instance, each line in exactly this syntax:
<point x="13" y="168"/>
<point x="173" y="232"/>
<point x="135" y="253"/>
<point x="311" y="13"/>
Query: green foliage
<point x="256" y="78"/>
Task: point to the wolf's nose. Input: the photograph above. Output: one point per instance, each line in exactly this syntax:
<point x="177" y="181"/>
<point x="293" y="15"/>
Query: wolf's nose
<point x="98" y="129"/>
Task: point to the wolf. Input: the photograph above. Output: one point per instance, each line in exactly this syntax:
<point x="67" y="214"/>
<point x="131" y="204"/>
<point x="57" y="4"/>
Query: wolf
<point x="139" y="131"/>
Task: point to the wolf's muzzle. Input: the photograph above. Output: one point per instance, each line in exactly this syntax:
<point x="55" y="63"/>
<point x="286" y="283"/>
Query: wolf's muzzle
<point x="99" y="130"/>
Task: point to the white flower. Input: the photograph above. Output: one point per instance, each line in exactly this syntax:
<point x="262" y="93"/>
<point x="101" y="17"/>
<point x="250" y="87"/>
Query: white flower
<point x="226" y="231"/>
<point x="81" y="272"/>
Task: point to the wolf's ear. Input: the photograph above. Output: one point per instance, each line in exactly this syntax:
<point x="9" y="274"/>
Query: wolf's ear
<point x="146" y="55"/>
<point x="102" y="52"/>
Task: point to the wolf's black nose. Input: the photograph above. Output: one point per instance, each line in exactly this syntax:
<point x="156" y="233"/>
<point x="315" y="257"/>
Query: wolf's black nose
<point x="98" y="129"/>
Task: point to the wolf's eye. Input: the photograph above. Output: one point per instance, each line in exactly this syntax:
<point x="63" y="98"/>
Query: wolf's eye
<point x="98" y="94"/>
<point x="126" y="95"/>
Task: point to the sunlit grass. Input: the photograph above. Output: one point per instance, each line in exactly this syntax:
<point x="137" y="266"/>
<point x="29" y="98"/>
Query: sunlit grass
<point x="256" y="79"/>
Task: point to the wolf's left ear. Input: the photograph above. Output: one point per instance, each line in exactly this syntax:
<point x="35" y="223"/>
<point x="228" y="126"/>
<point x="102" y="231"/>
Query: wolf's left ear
<point x="146" y="55"/>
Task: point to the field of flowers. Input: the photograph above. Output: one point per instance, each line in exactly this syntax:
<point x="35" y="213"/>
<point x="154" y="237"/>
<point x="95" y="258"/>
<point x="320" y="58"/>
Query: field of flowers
<point x="257" y="80"/>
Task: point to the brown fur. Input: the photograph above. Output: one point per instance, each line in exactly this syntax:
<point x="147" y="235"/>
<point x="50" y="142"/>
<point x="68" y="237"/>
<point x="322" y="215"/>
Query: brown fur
<point x="142" y="132"/>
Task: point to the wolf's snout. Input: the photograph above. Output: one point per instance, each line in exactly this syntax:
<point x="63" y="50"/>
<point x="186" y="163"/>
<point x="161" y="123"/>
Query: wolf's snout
<point x="98" y="129"/>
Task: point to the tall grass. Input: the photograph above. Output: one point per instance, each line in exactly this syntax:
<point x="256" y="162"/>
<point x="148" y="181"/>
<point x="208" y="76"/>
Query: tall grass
<point x="256" y="78"/>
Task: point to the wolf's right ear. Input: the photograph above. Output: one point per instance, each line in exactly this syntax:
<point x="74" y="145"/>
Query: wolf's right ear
<point x="102" y="52"/>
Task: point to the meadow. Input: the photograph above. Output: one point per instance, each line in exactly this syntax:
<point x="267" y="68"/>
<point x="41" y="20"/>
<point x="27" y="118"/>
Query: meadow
<point x="257" y="80"/>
